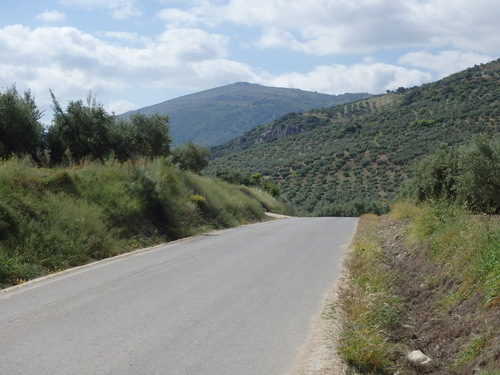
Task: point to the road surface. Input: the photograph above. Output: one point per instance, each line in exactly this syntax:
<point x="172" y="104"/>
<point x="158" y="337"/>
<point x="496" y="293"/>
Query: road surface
<point x="238" y="301"/>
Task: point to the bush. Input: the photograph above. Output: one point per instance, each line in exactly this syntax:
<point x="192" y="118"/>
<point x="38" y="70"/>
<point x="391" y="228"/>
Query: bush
<point x="478" y="183"/>
<point x="191" y="157"/>
<point x="468" y="175"/>
<point x="353" y="208"/>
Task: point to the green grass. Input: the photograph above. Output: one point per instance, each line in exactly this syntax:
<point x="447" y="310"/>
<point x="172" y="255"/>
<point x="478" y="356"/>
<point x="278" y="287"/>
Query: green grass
<point x="473" y="349"/>
<point x="52" y="219"/>
<point x="269" y="203"/>
<point x="468" y="246"/>
<point x="370" y="305"/>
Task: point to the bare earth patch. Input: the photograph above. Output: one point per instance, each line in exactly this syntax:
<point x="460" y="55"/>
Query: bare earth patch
<point x="443" y="332"/>
<point x="440" y="333"/>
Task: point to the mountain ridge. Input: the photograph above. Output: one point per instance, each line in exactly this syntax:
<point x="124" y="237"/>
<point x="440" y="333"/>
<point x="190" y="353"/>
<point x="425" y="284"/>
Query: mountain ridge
<point x="360" y="153"/>
<point x="217" y="115"/>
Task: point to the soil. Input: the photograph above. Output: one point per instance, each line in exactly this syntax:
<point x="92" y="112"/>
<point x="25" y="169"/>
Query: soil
<point x="439" y="334"/>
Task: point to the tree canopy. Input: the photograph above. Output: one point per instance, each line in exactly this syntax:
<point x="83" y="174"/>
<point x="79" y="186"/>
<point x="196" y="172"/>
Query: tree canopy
<point x="86" y="130"/>
<point x="20" y="129"/>
<point x="191" y="156"/>
<point x="83" y="131"/>
<point x="468" y="175"/>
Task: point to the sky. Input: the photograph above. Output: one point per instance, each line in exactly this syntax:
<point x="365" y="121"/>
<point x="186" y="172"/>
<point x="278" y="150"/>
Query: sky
<point x="130" y="54"/>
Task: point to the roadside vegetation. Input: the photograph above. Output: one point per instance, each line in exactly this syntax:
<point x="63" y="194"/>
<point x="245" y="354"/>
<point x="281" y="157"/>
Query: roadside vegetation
<point x="370" y="304"/>
<point x="91" y="186"/>
<point x="55" y="218"/>
<point x="427" y="275"/>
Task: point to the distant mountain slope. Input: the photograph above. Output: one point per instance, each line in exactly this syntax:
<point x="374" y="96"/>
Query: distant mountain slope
<point x="345" y="158"/>
<point x="215" y="116"/>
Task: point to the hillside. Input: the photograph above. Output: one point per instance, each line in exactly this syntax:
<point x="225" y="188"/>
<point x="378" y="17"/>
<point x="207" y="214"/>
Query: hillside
<point x="347" y="159"/>
<point x="218" y="115"/>
<point x="52" y="219"/>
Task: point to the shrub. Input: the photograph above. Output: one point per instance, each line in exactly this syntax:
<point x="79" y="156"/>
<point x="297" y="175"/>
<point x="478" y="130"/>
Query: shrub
<point x="468" y="175"/>
<point x="191" y="157"/>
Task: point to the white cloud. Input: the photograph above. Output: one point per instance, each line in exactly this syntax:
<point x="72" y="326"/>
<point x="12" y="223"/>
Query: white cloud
<point x="122" y="35"/>
<point x="178" y="18"/>
<point x="445" y="62"/>
<point x="51" y="16"/>
<point x="194" y="50"/>
<point x="323" y="27"/>
<point x="338" y="79"/>
<point x="72" y="62"/>
<point x="222" y="71"/>
<point x="120" y="106"/>
<point x="193" y="44"/>
<point x="119" y="9"/>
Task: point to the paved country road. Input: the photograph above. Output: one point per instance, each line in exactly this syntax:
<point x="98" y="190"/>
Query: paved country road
<point x="237" y="302"/>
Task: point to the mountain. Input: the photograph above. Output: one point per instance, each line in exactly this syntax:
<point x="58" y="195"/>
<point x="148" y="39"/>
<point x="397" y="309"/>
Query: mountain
<point x="344" y="159"/>
<point x="218" y="115"/>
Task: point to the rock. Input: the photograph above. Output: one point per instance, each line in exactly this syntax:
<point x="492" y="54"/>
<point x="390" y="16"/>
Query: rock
<point x="418" y="358"/>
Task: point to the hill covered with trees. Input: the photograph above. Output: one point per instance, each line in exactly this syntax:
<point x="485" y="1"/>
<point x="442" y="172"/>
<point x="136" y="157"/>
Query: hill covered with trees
<point x="218" y="115"/>
<point x="352" y="158"/>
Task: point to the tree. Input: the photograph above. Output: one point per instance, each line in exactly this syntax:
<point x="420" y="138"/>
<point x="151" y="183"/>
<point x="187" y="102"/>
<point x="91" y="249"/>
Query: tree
<point x="122" y="138"/>
<point x="151" y="137"/>
<point x="191" y="157"/>
<point x="256" y="179"/>
<point x="468" y="175"/>
<point x="478" y="184"/>
<point x="20" y="129"/>
<point x="435" y="175"/>
<point x="140" y="135"/>
<point x="83" y="131"/>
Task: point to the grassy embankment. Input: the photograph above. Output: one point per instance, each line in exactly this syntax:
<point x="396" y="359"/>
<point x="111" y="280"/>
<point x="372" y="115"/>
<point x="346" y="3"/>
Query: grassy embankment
<point x="52" y="219"/>
<point x="463" y="250"/>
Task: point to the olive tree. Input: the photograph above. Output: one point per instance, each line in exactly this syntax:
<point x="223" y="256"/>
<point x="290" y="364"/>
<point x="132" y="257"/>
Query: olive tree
<point x="191" y="156"/>
<point x="141" y="136"/>
<point x="82" y="131"/>
<point x="20" y="129"/>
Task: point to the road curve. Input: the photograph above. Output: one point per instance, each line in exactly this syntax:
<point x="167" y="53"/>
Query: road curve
<point x="238" y="301"/>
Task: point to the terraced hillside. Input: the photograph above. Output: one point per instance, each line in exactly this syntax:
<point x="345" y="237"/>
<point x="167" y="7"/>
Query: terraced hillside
<point x="352" y="158"/>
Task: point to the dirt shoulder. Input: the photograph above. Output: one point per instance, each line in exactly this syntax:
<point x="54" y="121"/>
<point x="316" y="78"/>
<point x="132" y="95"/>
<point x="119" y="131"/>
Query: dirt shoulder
<point x="439" y="332"/>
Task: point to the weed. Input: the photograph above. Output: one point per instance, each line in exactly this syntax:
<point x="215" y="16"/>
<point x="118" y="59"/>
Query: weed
<point x="472" y="350"/>
<point x="371" y="307"/>
<point x="467" y="246"/>
<point x="402" y="210"/>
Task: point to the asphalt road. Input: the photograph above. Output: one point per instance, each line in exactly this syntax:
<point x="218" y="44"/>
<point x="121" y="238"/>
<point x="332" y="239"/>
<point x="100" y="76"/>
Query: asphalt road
<point x="239" y="301"/>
